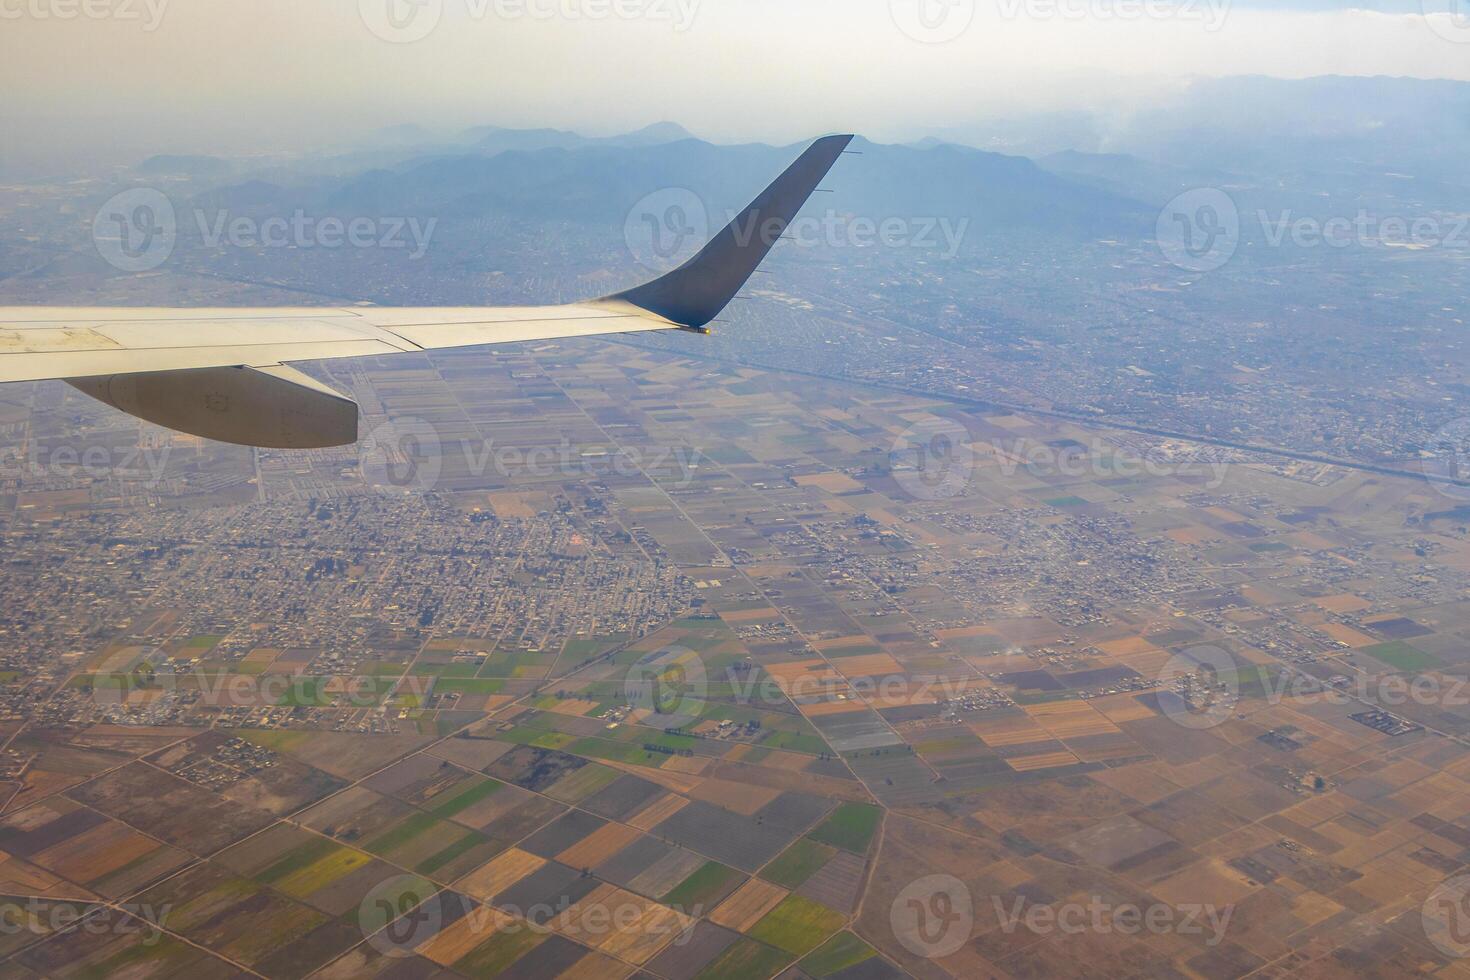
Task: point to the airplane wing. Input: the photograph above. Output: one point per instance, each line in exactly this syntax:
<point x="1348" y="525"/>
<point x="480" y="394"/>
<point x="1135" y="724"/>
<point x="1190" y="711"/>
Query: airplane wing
<point x="223" y="373"/>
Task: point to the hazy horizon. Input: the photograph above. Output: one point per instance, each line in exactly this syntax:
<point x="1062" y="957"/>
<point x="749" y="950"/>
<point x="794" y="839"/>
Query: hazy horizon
<point x="102" y="88"/>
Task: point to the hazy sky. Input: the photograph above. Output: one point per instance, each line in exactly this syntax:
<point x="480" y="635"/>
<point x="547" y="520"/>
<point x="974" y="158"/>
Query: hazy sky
<point x="120" y="77"/>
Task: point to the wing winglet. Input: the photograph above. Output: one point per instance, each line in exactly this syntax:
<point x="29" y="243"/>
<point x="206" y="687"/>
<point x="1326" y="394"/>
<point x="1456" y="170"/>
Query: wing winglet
<point x="695" y="293"/>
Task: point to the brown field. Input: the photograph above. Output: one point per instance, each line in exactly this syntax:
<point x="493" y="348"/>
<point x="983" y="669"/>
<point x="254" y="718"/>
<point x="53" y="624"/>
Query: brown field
<point x="1121" y="707"/>
<point x="1046" y="760"/>
<point x="1131" y="646"/>
<point x="831" y="482"/>
<point x="686" y="766"/>
<point x="571" y="706"/>
<point x="18" y="877"/>
<point x="1348" y="635"/>
<point x="455" y="942"/>
<point x="804" y="676"/>
<point x="598" y="846"/>
<point x="342" y="754"/>
<point x="499" y="874"/>
<point x="789" y="761"/>
<point x="748" y="905"/>
<point x="1016" y="730"/>
<point x="1071" y="719"/>
<point x="869" y="665"/>
<point x="96" y="853"/>
<point x="658" y="811"/>
<point x="646" y="926"/>
<point x="510" y="506"/>
<point x="750" y="615"/>
<point x="742" y="798"/>
<point x="821" y="709"/>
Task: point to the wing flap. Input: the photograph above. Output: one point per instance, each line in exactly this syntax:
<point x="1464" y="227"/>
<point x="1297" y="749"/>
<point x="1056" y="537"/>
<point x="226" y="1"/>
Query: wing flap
<point x="42" y="366"/>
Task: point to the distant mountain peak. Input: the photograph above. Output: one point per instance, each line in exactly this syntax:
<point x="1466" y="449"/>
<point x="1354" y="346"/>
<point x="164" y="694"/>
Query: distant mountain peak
<point x="658" y="133"/>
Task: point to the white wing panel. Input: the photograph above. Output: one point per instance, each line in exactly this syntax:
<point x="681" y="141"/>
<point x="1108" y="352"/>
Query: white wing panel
<point x="57" y="342"/>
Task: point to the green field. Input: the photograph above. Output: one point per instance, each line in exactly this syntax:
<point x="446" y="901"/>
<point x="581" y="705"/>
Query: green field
<point x="319" y="874"/>
<point x="798" y="863"/>
<point x="850" y="827"/>
<point x="700" y="888"/>
<point x="743" y="960"/>
<point x="297" y="859"/>
<point x="798" y="925"/>
<point x="458" y="802"/>
<point x="1061" y="502"/>
<point x="1402" y="656"/>
<point x="498" y="952"/>
<point x="838" y="953"/>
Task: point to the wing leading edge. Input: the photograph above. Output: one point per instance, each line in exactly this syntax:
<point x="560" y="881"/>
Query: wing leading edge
<point x="208" y="371"/>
